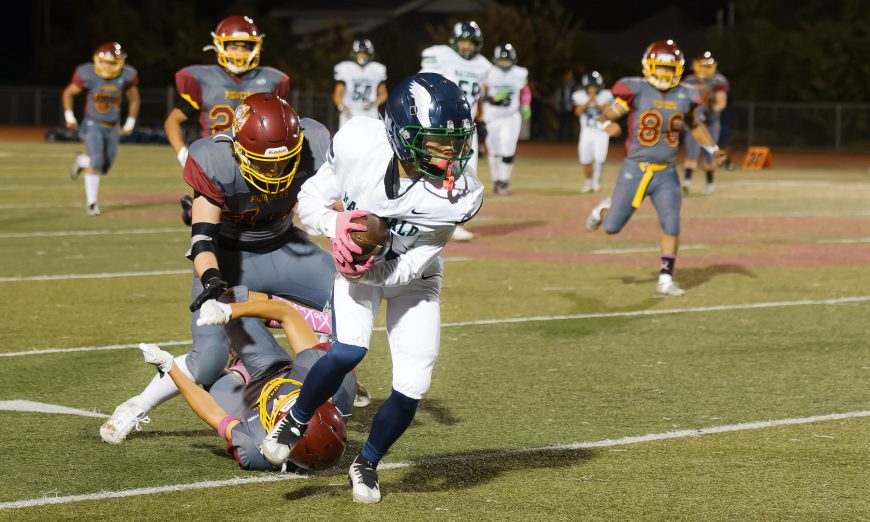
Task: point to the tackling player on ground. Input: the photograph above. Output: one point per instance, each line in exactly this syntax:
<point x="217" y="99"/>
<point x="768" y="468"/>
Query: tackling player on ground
<point x="211" y="93"/>
<point x="107" y="79"/>
<point x="246" y="181"/>
<point x="461" y="63"/>
<point x="360" y="86"/>
<point x="713" y="89"/>
<point x="589" y="103"/>
<point x="505" y="105"/>
<point x="245" y="402"/>
<point x="658" y="108"/>
<point x="411" y="169"/>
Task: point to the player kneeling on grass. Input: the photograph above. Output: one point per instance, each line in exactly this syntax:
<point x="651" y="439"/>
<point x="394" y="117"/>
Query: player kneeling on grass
<point x="658" y="107"/>
<point x="411" y="169"/>
<point x="258" y="391"/>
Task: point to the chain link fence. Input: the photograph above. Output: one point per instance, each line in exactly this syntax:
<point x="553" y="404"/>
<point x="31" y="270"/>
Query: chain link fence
<point x="820" y="126"/>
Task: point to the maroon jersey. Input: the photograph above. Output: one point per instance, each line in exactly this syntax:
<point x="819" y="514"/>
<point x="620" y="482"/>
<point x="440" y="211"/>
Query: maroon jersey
<point x="215" y="93"/>
<point x="655" y="118"/>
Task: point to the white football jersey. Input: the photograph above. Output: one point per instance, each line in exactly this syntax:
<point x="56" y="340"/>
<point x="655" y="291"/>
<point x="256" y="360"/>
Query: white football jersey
<point x="589" y="117"/>
<point x="501" y="82"/>
<point x="469" y="75"/>
<point x="361" y="85"/>
<point x="361" y="173"/>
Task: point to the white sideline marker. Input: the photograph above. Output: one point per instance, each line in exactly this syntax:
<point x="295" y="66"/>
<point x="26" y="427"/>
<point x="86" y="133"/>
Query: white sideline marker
<point x="107" y="275"/>
<point x="43" y="407"/>
<point x="107" y="232"/>
<point x="510" y="320"/>
<point x="606" y="443"/>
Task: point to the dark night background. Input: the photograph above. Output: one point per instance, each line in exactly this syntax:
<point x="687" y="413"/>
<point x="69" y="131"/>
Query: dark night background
<point x="776" y="50"/>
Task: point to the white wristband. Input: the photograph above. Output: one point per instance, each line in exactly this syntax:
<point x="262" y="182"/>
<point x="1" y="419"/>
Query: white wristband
<point x="711" y="149"/>
<point x="182" y="156"/>
<point x="69" y="116"/>
<point x="129" y="124"/>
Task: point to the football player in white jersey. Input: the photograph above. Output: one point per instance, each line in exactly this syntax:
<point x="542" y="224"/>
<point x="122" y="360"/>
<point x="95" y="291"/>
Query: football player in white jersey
<point x="360" y="86"/>
<point x="461" y="63"/>
<point x="413" y="169"/>
<point x="590" y="103"/>
<point x="505" y="105"/>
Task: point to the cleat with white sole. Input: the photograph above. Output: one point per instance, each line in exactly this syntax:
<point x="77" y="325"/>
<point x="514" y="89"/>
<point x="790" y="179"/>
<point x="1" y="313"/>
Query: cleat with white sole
<point x="94" y="210"/>
<point x="588" y="186"/>
<point x="363" y="398"/>
<point x="126" y="417"/>
<point x="462" y="234"/>
<point x="364" y="481"/>
<point x="709" y="189"/>
<point x="668" y="288"/>
<point x="593" y="221"/>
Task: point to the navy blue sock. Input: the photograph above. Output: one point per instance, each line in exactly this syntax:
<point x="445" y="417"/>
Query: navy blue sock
<point x="325" y="378"/>
<point x="688" y="175"/>
<point x="390" y="422"/>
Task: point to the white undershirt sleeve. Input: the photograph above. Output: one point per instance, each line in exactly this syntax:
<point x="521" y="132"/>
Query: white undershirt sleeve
<point x="317" y="199"/>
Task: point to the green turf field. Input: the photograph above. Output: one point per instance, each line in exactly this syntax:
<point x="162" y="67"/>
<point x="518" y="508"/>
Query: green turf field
<point x="553" y="336"/>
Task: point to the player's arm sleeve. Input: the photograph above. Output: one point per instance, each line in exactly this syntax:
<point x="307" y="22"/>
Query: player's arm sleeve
<point x="410" y="265"/>
<point x="189" y="90"/>
<point x="318" y="142"/>
<point x="623" y="95"/>
<point x="317" y="199"/>
<point x="282" y="88"/>
<point x="78" y="80"/>
<point x="134" y="80"/>
<point x="429" y="62"/>
<point x="245" y="447"/>
<point x="337" y="75"/>
<point x="201" y="183"/>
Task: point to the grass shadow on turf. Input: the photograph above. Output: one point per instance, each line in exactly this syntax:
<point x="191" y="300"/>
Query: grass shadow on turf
<point x="693" y="277"/>
<point x="431" y="408"/>
<point x="462" y="470"/>
<point x="504" y="229"/>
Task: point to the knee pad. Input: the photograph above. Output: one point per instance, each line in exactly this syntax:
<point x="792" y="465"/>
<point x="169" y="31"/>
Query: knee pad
<point x="345" y="356"/>
<point x="507" y="159"/>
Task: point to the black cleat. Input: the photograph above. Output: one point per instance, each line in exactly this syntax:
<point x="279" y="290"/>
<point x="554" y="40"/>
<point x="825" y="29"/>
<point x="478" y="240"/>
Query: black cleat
<point x="364" y="481"/>
<point x="187" y="209"/>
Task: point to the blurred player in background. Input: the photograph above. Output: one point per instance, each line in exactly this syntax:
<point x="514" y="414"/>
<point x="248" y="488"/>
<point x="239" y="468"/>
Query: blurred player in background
<point x="411" y="168"/>
<point x="211" y="93"/>
<point x="461" y="63"/>
<point x="713" y="89"/>
<point x="246" y="181"/>
<point x="505" y="105"/>
<point x="590" y="102"/>
<point x="659" y="107"/>
<point x="107" y="79"/>
<point x="245" y="402"/>
<point x="360" y="83"/>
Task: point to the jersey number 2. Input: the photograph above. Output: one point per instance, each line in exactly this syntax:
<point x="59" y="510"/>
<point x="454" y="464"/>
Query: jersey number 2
<point x="221" y="117"/>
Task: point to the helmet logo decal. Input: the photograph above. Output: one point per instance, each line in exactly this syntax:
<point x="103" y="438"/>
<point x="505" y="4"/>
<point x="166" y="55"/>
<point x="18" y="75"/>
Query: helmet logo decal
<point x="243" y="112"/>
<point x="276" y="151"/>
<point x="422" y="103"/>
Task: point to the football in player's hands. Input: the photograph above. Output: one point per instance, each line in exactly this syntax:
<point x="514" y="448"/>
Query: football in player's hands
<point x="373" y="239"/>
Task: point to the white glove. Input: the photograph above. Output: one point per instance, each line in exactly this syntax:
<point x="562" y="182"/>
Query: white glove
<point x="129" y="124"/>
<point x="182" y="156"/>
<point x="69" y="117"/>
<point x="159" y="358"/>
<point x="214" y="313"/>
<point x="711" y="149"/>
<point x="602" y="124"/>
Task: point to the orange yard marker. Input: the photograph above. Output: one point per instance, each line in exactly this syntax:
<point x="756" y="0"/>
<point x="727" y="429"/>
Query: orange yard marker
<point x="758" y="158"/>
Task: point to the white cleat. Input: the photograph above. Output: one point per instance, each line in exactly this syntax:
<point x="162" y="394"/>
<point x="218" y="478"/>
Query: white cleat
<point x="363" y="397"/>
<point x="687" y="186"/>
<point x="94" y="210"/>
<point x="593" y="221"/>
<point x="669" y="288"/>
<point x="709" y="189"/>
<point x="76" y="167"/>
<point x="462" y="234"/>
<point x="364" y="481"/>
<point x="588" y="186"/>
<point x="126" y="417"/>
<point x="596" y="186"/>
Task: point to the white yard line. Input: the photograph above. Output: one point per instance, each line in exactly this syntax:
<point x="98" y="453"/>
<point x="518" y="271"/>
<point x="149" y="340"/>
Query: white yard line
<point x="512" y="320"/>
<point x="107" y="275"/>
<point x="643" y="249"/>
<point x="606" y="443"/>
<point x="844" y="240"/>
<point x="43" y="407"/>
<point x="73" y="233"/>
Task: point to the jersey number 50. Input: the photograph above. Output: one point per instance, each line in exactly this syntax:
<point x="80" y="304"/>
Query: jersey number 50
<point x="649" y="128"/>
<point x="470" y="89"/>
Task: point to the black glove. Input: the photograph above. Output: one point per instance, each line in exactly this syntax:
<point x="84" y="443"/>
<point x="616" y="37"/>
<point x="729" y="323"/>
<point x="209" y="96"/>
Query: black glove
<point x="213" y="285"/>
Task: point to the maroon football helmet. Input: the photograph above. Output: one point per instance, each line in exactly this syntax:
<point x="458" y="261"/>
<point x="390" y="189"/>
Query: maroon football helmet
<point x="109" y="60"/>
<point x="704" y="65"/>
<point x="238" y="29"/>
<point x="663" y="64"/>
<point x="324" y="440"/>
<point x="266" y="139"/>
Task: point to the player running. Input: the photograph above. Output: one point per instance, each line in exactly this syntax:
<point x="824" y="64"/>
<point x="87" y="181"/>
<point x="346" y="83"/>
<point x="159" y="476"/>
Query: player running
<point x="658" y="108"/>
<point x="713" y="89"/>
<point x="106" y="79"/>
<point x="461" y="63"/>
<point x="246" y="181"/>
<point x="505" y="105"/>
<point x="211" y="93"/>
<point x="412" y="169"/>
<point x="589" y="104"/>
<point x="360" y="86"/>
<point x="245" y="402"/>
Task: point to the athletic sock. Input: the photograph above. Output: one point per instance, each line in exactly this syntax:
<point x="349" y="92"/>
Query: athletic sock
<point x="710" y="177"/>
<point x="506" y="170"/>
<point x="92" y="187"/>
<point x="688" y="176"/>
<point x="596" y="173"/>
<point x="390" y="422"/>
<point x="324" y="379"/>
<point x="161" y="388"/>
<point x="666" y="272"/>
